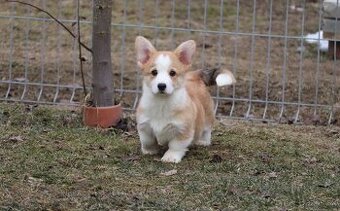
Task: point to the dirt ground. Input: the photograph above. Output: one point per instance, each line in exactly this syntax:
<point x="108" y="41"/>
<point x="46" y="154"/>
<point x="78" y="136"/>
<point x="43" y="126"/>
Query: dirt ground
<point x="287" y="71"/>
<point x="50" y="161"/>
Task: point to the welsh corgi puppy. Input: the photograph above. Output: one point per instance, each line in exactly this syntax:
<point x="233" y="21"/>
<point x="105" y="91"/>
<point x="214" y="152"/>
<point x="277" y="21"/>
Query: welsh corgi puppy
<point x="176" y="109"/>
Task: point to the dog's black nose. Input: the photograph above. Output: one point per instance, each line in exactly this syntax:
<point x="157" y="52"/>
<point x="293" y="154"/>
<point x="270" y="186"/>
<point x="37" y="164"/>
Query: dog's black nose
<point x="161" y="86"/>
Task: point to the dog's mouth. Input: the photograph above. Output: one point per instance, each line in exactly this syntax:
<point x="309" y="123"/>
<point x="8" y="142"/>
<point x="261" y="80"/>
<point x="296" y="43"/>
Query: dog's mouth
<point x="162" y="93"/>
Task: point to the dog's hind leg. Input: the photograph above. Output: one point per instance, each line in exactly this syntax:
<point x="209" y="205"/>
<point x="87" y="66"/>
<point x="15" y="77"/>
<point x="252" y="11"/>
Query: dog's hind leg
<point x="149" y="145"/>
<point x="205" y="139"/>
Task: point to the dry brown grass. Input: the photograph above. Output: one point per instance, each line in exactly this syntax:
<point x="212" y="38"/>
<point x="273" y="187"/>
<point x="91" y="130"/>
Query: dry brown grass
<point x="49" y="161"/>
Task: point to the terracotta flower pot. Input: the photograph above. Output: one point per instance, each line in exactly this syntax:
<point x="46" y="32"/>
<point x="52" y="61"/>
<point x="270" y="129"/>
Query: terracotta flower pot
<point x="102" y="116"/>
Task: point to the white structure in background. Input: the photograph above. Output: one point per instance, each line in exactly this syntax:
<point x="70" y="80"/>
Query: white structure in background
<point x="331" y="26"/>
<point x="331" y="19"/>
<point x="331" y="8"/>
<point x="317" y="38"/>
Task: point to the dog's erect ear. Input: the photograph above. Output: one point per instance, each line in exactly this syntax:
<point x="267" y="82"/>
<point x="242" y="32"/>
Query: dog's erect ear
<point x="185" y="51"/>
<point x="144" y="49"/>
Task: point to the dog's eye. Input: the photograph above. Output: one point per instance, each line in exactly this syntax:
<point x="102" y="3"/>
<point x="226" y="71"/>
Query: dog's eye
<point x="154" y="72"/>
<point x="172" y="73"/>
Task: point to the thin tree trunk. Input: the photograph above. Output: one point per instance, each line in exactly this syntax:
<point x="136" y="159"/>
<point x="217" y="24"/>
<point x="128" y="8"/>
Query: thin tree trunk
<point x="102" y="78"/>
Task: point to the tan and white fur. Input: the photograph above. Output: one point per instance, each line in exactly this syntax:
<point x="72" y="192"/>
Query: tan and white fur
<point x="176" y="109"/>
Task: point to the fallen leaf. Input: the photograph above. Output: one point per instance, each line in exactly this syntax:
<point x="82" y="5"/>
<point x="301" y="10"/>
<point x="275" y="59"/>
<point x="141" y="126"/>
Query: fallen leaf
<point x="157" y="159"/>
<point x="132" y="158"/>
<point x="266" y="195"/>
<point x="272" y="175"/>
<point x="325" y="185"/>
<point x="311" y="160"/>
<point x="265" y="157"/>
<point x="219" y="134"/>
<point x="34" y="181"/>
<point x="20" y="79"/>
<point x="16" y="139"/>
<point x="167" y="189"/>
<point x="169" y="173"/>
<point x="233" y="190"/>
<point x="257" y="172"/>
<point x="216" y="159"/>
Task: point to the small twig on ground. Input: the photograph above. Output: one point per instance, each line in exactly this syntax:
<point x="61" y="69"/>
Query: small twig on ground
<point x="55" y="19"/>
<point x="79" y="48"/>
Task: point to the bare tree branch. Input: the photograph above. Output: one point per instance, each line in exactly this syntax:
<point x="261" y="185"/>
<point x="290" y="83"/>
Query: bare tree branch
<point x="55" y="19"/>
<point x="79" y="48"/>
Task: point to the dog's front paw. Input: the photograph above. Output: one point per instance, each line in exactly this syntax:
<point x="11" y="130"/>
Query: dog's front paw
<point x="172" y="156"/>
<point x="151" y="151"/>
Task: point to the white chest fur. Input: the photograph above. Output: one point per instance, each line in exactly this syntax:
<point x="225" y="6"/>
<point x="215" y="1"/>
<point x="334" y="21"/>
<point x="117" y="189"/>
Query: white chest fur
<point x="158" y="113"/>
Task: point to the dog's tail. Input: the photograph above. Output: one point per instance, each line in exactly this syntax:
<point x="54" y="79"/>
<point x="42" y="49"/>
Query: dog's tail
<point x="217" y="76"/>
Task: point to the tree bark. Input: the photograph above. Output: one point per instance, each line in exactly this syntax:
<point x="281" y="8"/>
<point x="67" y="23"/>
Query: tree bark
<point x="102" y="77"/>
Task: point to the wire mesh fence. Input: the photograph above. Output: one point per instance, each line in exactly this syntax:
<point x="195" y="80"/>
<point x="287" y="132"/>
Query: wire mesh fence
<point x="280" y="76"/>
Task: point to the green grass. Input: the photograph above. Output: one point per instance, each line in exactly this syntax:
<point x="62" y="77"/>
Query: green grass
<point x="50" y="161"/>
